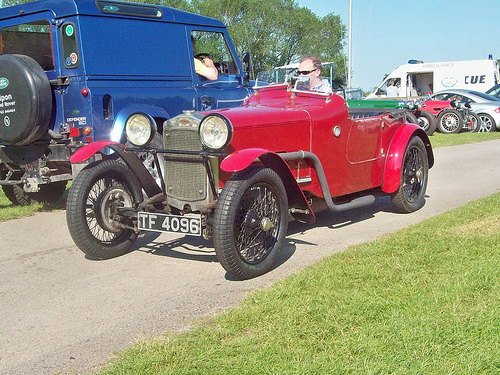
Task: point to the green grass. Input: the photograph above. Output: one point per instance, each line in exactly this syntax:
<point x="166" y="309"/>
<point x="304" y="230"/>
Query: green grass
<point x="423" y="300"/>
<point x="442" y="140"/>
<point x="9" y="211"/>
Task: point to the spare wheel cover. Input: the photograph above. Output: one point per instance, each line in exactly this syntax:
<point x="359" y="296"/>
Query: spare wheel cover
<point x="25" y="100"/>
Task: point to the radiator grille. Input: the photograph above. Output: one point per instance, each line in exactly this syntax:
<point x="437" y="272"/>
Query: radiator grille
<point x="186" y="177"/>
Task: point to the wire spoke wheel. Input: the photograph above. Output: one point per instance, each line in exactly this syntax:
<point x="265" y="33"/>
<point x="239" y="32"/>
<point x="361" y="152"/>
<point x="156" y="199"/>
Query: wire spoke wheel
<point x="257" y="223"/>
<point x="105" y="196"/>
<point x="410" y="195"/>
<point x="93" y="209"/>
<point x="413" y="175"/>
<point x="450" y="121"/>
<point x="250" y="222"/>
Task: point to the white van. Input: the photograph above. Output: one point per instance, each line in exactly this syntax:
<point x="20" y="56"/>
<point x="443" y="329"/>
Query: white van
<point x="420" y="79"/>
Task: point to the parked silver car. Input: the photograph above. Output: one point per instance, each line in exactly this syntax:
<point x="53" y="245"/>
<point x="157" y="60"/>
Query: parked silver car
<point x="494" y="91"/>
<point x="487" y="107"/>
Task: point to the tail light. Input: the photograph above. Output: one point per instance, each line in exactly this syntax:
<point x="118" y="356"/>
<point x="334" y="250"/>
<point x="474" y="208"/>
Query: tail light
<point x="74" y="132"/>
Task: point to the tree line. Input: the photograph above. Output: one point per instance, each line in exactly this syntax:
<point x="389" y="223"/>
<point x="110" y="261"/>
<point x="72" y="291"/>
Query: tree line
<point x="275" y="32"/>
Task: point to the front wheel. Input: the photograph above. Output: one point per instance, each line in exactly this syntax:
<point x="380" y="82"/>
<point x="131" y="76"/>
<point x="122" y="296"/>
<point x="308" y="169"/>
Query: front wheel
<point x="450" y="121"/>
<point x="487" y="123"/>
<point x="410" y="195"/>
<point x="250" y="222"/>
<point x="96" y="195"/>
<point x="426" y="121"/>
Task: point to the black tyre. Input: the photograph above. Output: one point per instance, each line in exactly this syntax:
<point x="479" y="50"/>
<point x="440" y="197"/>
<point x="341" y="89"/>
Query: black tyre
<point x="50" y="193"/>
<point x="472" y="124"/>
<point x="15" y="193"/>
<point x="410" y="195"/>
<point x="250" y="222"/>
<point x="488" y="124"/>
<point x="93" y="199"/>
<point x="29" y="98"/>
<point x="411" y="118"/>
<point x="450" y="121"/>
<point x="426" y="121"/>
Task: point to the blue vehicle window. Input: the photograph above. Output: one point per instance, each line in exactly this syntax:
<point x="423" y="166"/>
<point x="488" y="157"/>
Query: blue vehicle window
<point x="71" y="57"/>
<point x="129" y="9"/>
<point x="215" y="45"/>
<point x="31" y="39"/>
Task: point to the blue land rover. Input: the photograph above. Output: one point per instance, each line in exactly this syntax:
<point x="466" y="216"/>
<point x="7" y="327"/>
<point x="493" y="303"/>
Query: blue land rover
<point x="76" y="71"/>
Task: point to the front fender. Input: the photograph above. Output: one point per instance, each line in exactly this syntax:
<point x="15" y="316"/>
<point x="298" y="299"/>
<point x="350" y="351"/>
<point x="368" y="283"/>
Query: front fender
<point x="396" y="152"/>
<point x="241" y="159"/>
<point x="91" y="149"/>
<point x="147" y="181"/>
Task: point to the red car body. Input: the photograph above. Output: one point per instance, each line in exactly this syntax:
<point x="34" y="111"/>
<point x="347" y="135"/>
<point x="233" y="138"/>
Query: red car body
<point x="281" y="141"/>
<point x="435" y="106"/>
<point x="366" y="155"/>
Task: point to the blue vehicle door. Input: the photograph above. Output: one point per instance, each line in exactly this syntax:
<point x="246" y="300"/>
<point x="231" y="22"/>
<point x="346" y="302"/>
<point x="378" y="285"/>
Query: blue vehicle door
<point x="228" y="89"/>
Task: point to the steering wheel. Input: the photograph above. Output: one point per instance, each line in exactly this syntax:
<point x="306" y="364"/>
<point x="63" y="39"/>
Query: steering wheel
<point x="201" y="56"/>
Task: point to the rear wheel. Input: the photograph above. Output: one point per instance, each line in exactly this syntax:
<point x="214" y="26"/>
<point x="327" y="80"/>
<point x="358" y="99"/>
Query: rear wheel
<point x="410" y="195"/>
<point x="426" y="121"/>
<point x="411" y="118"/>
<point x="250" y="222"/>
<point x="49" y="193"/>
<point x="472" y="123"/>
<point x="94" y="199"/>
<point x="450" y="121"/>
<point x="15" y="193"/>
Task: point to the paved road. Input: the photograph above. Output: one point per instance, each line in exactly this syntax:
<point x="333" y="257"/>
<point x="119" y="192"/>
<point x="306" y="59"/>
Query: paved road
<point x="62" y="313"/>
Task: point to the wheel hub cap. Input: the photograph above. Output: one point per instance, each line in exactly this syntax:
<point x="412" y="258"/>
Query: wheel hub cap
<point x="112" y="198"/>
<point x="266" y="224"/>
<point x="419" y="175"/>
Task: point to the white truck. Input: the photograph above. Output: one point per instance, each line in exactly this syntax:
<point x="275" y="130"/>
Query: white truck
<point x="421" y="79"/>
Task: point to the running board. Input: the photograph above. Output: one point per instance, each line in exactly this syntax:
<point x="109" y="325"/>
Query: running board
<point x="366" y="200"/>
<point x="355" y="203"/>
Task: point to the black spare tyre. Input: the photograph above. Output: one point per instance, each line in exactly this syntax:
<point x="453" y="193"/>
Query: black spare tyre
<point x="25" y="100"/>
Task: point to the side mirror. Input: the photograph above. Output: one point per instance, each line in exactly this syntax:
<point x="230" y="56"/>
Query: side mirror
<point x="453" y="103"/>
<point x="246" y="61"/>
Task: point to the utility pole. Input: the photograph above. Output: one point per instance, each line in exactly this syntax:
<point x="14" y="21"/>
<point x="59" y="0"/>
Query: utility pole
<point x="349" y="48"/>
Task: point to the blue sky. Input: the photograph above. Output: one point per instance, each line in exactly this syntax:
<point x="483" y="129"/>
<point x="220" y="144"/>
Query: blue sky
<point x="388" y="33"/>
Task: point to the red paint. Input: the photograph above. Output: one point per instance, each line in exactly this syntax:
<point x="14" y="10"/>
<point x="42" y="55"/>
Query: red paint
<point x="358" y="159"/>
<point x="89" y="150"/>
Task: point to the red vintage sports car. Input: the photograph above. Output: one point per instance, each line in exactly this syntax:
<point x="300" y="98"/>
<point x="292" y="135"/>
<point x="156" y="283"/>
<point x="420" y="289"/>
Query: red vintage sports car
<point x="237" y="175"/>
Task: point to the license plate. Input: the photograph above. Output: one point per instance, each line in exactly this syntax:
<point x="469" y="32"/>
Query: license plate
<point x="169" y="223"/>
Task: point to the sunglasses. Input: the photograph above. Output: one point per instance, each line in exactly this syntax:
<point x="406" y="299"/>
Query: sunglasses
<point x="306" y="72"/>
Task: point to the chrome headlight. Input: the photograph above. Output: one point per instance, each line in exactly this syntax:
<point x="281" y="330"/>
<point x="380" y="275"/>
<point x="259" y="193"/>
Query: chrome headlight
<point x="215" y="131"/>
<point x="140" y="129"/>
